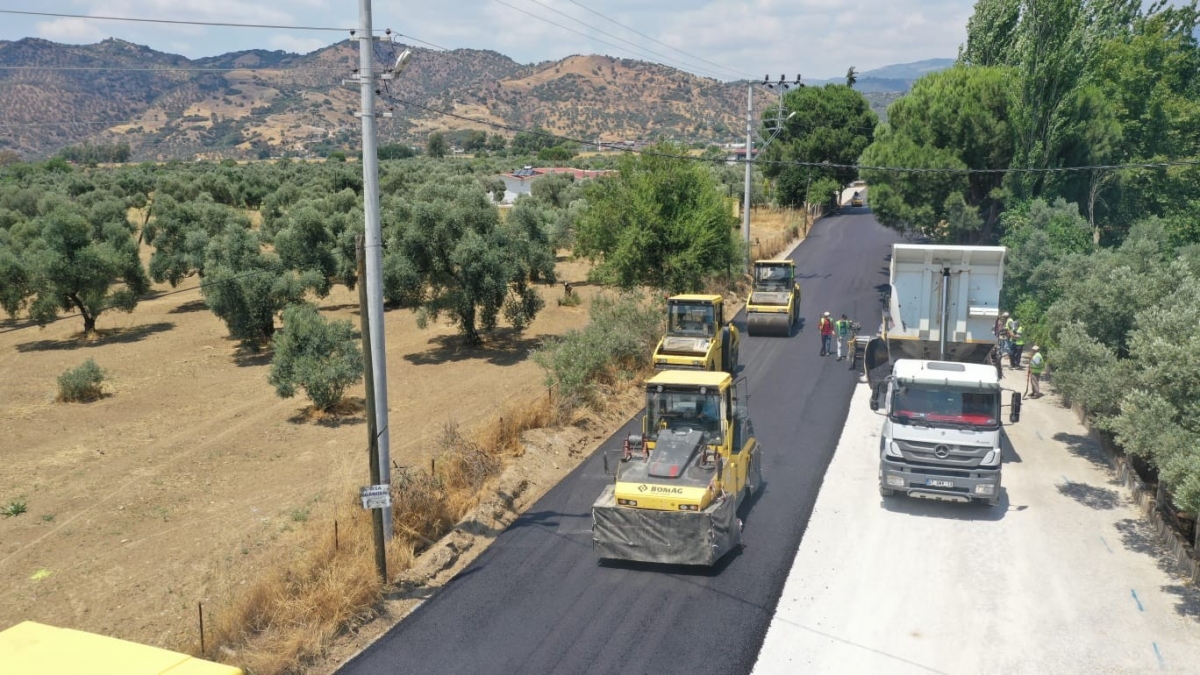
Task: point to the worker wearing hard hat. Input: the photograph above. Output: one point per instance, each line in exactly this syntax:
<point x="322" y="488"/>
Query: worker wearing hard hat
<point x="826" y="329"/>
<point x="1037" y="365"/>
<point x="1017" y="335"/>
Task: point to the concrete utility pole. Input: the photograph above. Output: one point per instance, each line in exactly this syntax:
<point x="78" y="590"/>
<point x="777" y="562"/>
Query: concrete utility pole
<point x="749" y="153"/>
<point x="779" y="120"/>
<point x="373" y="245"/>
<point x="372" y="436"/>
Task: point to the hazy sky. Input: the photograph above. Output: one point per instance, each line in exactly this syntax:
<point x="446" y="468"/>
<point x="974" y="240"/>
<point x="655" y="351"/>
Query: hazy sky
<point x="819" y="38"/>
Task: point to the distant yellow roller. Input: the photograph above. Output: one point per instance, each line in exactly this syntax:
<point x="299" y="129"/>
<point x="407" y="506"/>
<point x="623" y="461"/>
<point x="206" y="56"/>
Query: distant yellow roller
<point x="774" y="303"/>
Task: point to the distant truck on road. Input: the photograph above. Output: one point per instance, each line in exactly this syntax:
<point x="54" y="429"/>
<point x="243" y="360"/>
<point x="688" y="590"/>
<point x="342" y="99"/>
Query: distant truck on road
<point x="930" y="376"/>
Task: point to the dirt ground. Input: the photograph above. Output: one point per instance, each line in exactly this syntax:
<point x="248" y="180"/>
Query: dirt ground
<point x="191" y="471"/>
<point x="191" y="467"/>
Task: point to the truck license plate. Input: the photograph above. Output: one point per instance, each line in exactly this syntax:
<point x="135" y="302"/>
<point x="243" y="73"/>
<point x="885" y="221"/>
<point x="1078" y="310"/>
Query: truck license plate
<point x="932" y="482"/>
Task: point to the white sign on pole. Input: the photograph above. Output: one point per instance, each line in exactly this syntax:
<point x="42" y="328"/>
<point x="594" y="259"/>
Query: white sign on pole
<point x="375" y="496"/>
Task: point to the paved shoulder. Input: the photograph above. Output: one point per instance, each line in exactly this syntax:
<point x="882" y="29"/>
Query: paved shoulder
<point x="1062" y="577"/>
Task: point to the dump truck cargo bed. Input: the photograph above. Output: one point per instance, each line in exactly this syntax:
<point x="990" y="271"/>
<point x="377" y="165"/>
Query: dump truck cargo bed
<point x="943" y="298"/>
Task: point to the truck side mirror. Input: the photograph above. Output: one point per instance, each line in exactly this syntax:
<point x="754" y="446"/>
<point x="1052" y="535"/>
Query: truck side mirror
<point x="1014" y="416"/>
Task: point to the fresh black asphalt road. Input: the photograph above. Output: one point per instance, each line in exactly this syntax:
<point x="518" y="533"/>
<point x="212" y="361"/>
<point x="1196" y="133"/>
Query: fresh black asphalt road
<point x="538" y="601"/>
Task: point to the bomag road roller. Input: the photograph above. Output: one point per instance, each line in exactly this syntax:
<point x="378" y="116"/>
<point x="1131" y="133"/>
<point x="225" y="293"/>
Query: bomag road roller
<point x="680" y="482"/>
<point x="774" y="303"/>
<point x="698" y="337"/>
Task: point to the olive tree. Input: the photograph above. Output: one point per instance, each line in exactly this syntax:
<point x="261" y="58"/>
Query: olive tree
<point x="70" y="259"/>
<point x="660" y="222"/>
<point x="320" y="356"/>
<point x="449" y="253"/>
<point x="247" y="287"/>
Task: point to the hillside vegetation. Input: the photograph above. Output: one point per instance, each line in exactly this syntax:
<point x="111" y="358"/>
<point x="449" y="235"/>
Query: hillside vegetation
<point x="275" y="103"/>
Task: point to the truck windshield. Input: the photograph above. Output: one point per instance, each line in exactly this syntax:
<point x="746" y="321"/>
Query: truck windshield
<point x="680" y="410"/>
<point x="946" y="406"/>
<point x="690" y="319"/>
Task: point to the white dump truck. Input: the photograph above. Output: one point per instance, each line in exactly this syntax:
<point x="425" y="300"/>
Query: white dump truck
<point x="932" y="377"/>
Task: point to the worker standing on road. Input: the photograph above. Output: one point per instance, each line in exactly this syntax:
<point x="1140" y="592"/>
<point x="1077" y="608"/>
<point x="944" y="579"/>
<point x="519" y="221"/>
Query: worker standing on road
<point x="1001" y="332"/>
<point x="1037" y="364"/>
<point x="826" y="327"/>
<point x="1017" y="335"/>
<point x="841" y="329"/>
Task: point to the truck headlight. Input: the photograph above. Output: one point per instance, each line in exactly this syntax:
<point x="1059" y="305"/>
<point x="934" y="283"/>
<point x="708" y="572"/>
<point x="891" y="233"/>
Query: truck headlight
<point x="895" y="481"/>
<point x="893" y="450"/>
<point x="985" y="489"/>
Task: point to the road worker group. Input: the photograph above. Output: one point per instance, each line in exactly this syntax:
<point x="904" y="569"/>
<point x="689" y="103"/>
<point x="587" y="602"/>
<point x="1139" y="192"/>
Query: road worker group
<point x="838" y="337"/>
<point x="1010" y="336"/>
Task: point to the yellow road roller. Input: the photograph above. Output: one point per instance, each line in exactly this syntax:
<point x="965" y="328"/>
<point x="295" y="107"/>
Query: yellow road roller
<point x="698" y="337"/>
<point x="774" y="303"/>
<point x="679" y="484"/>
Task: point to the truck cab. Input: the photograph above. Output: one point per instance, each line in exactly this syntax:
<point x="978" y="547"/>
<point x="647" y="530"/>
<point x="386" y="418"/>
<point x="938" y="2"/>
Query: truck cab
<point x="941" y="432"/>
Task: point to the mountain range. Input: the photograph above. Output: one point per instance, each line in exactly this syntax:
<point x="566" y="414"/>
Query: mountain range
<point x="261" y="103"/>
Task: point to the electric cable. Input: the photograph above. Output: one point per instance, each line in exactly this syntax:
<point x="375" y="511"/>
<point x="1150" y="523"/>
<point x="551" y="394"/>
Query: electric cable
<point x="634" y="30"/>
<point x="616" y="37"/>
<point x="566" y="28"/>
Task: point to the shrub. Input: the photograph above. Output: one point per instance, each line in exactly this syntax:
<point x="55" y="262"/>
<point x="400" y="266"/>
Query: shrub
<point x="621" y="335"/>
<point x="320" y="356"/>
<point x="14" y="508"/>
<point x="81" y="383"/>
<point x="571" y="299"/>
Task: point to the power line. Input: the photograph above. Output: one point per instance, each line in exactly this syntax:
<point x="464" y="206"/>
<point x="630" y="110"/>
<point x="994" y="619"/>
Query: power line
<point x="172" y="69"/>
<point x="616" y="37"/>
<point x="424" y="42"/>
<point x="221" y="24"/>
<point x="633" y="30"/>
<point x="137" y="122"/>
<point x="798" y="163"/>
<point x="785" y="163"/>
<point x="224" y="24"/>
<point x="821" y="165"/>
<point x="559" y="25"/>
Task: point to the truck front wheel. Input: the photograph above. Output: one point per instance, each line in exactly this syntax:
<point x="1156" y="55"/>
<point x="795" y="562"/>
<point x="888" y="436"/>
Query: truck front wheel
<point x="886" y="492"/>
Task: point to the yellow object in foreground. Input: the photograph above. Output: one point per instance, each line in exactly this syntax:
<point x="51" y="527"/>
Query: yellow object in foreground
<point x="31" y="648"/>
